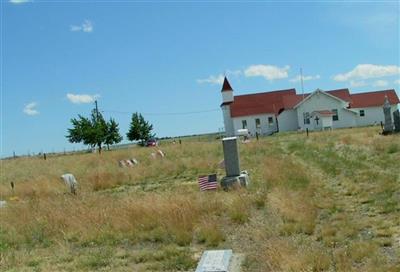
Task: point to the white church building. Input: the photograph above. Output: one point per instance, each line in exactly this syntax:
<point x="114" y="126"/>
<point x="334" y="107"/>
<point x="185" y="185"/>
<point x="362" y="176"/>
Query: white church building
<point x="285" y="110"/>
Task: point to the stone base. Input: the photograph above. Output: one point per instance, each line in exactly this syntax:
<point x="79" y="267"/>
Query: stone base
<point x="236" y="181"/>
<point x="230" y="183"/>
<point x="387" y="132"/>
<point x="244" y="178"/>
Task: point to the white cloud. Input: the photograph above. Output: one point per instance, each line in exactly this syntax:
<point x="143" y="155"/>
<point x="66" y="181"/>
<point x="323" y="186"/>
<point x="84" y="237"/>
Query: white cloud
<point x="269" y="72"/>
<point x="397" y="81"/>
<point x="19" y="1"/>
<point x="82" y="98"/>
<point x="366" y="71"/>
<point x="212" y="79"/>
<point x="380" y="83"/>
<point x="355" y="83"/>
<point x="305" y="78"/>
<point x="86" y="26"/>
<point x="30" y="109"/>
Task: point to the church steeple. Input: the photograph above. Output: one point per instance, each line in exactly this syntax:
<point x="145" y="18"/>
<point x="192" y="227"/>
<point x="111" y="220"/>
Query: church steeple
<point x="226" y="86"/>
<point x="227" y="92"/>
<point x="227" y="101"/>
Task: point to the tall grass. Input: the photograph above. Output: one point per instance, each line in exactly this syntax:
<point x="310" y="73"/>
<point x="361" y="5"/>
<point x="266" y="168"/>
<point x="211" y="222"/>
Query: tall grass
<point x="326" y="202"/>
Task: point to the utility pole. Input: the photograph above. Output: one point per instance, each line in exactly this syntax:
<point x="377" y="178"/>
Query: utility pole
<point x="97" y="109"/>
<point x="302" y="84"/>
<point x="97" y="121"/>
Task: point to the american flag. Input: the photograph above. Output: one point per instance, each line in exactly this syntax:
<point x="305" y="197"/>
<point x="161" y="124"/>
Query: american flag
<point x="208" y="182"/>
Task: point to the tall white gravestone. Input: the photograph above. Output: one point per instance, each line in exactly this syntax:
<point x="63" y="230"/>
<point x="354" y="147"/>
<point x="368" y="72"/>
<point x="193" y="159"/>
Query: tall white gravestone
<point x="234" y="177"/>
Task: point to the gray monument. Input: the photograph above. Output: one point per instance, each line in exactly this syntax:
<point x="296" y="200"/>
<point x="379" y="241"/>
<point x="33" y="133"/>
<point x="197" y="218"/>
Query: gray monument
<point x="234" y="177"/>
<point x="215" y="261"/>
<point x="231" y="156"/>
<point x="396" y="119"/>
<point x="388" y="127"/>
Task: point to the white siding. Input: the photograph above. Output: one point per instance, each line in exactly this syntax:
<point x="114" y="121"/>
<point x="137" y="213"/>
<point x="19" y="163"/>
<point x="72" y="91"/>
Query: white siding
<point x="265" y="128"/>
<point x="320" y="101"/>
<point x="228" y="122"/>
<point x="287" y="120"/>
<point x="323" y="122"/>
<point x="373" y="115"/>
<point x="227" y="96"/>
<point x="326" y="122"/>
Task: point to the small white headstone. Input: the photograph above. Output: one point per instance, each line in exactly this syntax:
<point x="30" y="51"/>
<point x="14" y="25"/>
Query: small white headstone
<point x="129" y="163"/>
<point x="215" y="261"/>
<point x="70" y="181"/>
<point x="134" y="161"/>
<point x="160" y="153"/>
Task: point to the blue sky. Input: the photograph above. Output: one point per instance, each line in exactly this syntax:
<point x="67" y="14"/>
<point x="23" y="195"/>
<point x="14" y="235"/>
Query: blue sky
<point x="159" y="58"/>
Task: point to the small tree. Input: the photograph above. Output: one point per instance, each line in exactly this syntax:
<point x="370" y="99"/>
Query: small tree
<point x="94" y="131"/>
<point x="113" y="135"/>
<point x="140" y="129"/>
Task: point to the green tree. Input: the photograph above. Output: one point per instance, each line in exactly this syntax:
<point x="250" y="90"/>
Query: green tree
<point x="113" y="136"/>
<point x="93" y="131"/>
<point x="140" y="129"/>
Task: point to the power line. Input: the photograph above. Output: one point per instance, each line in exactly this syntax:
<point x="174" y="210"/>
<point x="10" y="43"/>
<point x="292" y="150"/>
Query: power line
<point x="163" y="113"/>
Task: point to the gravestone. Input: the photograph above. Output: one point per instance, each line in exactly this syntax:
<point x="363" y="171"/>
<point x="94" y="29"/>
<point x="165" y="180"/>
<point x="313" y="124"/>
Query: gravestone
<point x="134" y="161"/>
<point x="231" y="156"/>
<point x="128" y="163"/>
<point x="3" y="204"/>
<point x="388" y="127"/>
<point x="234" y="177"/>
<point x="396" y="119"/>
<point x="215" y="261"/>
<point x="70" y="181"/>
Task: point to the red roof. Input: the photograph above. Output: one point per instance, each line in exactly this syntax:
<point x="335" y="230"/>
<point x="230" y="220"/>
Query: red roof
<point x="290" y="101"/>
<point x="372" y="99"/>
<point x="343" y="94"/>
<point x="276" y="101"/>
<point x="259" y="103"/>
<point x="226" y="86"/>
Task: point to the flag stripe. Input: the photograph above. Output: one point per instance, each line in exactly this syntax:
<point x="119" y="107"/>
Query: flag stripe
<point x="208" y="182"/>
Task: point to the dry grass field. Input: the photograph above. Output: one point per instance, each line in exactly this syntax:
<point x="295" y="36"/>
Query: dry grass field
<point x="327" y="202"/>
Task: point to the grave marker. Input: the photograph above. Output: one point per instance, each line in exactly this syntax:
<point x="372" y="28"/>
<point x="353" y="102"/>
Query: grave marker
<point x="215" y="261"/>
<point x="134" y="161"/>
<point x="3" y="203"/>
<point x="396" y="119"/>
<point x="231" y="156"/>
<point x="234" y="177"/>
<point x="388" y="127"/>
<point x="129" y="163"/>
<point x="122" y="163"/>
<point x="70" y="181"/>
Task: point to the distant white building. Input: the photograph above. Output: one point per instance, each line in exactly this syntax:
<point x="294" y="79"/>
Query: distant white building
<point x="284" y="110"/>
